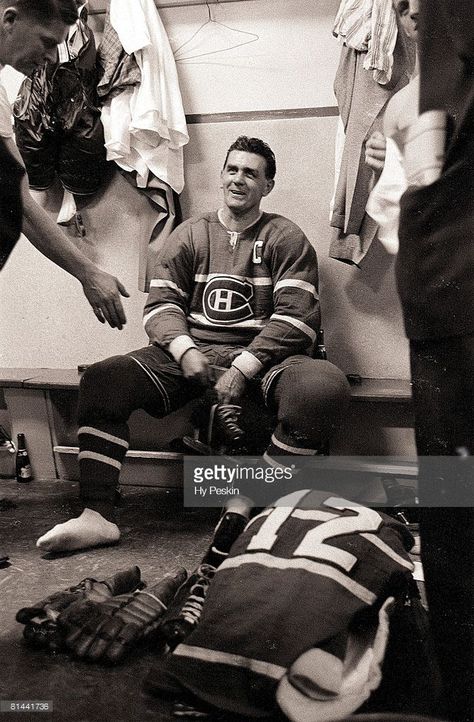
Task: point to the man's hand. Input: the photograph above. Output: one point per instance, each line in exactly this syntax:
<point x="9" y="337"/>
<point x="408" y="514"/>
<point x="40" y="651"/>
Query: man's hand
<point x="195" y="366"/>
<point x="103" y="292"/>
<point x="375" y="149"/>
<point x="230" y="386"/>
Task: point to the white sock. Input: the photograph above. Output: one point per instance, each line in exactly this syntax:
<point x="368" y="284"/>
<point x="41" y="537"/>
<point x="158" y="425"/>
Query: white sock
<point x="90" y="529"/>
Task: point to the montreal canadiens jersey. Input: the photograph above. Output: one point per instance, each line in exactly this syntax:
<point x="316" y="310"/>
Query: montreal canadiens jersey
<point x="297" y="577"/>
<point x="257" y="289"/>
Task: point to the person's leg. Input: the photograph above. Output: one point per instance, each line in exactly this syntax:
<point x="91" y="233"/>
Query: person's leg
<point x="110" y="390"/>
<point x="443" y="386"/>
<point x="311" y="397"/>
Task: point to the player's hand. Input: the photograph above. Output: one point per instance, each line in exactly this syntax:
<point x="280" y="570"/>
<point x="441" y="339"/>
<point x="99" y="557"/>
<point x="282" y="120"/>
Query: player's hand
<point x="103" y="292"/>
<point x="230" y="386"/>
<point x="195" y="366"/>
<point x="375" y="149"/>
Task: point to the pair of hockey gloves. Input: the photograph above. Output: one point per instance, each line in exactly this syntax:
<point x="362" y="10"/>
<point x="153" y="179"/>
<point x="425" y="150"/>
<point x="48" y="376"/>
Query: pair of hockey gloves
<point x="100" y="620"/>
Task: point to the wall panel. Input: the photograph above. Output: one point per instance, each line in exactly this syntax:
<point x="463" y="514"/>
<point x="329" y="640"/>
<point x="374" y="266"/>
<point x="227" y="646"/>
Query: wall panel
<point x="44" y="319"/>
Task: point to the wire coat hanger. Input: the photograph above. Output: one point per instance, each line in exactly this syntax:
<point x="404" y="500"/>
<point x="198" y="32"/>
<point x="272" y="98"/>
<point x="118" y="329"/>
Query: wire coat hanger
<point x="212" y="21"/>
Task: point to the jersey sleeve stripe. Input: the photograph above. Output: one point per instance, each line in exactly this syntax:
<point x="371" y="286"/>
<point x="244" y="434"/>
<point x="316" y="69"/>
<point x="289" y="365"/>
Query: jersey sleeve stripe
<point x="323" y="570"/>
<point x="295" y="283"/>
<point x="161" y="283"/>
<point x="388" y="551"/>
<point x="161" y="308"/>
<point x="300" y="325"/>
<point x="234" y="660"/>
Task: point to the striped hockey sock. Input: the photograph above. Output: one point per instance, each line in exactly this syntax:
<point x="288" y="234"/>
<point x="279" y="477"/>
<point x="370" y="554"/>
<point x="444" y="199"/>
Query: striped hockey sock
<point x="102" y="448"/>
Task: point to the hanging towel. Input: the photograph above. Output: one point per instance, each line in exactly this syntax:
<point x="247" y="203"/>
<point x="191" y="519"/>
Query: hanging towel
<point x="145" y="126"/>
<point x="352" y="24"/>
<point x="369" y="26"/>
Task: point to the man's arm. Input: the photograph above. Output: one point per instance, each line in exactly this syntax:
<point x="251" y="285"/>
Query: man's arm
<point x="167" y="305"/>
<point x="295" y="320"/>
<point x="101" y="289"/>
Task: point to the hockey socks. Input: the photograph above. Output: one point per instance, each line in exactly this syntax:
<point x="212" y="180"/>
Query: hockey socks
<point x="88" y="530"/>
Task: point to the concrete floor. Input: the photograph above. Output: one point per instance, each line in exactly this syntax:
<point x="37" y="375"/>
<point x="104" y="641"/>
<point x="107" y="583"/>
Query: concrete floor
<point x="157" y="535"/>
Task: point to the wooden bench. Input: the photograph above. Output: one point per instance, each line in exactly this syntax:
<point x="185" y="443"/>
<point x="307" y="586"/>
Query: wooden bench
<point x="42" y="404"/>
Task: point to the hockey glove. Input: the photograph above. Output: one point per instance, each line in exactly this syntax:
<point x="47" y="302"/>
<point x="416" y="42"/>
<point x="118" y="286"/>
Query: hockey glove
<point x="41" y="620"/>
<point x="106" y="631"/>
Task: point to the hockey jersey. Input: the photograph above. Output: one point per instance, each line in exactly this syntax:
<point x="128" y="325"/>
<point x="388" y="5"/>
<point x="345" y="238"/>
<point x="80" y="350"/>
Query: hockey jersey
<point x="297" y="579"/>
<point x="257" y="289"/>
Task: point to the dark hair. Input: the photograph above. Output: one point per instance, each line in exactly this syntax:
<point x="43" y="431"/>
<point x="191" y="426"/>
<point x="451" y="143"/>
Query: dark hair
<point x="47" y="10"/>
<point x="259" y="147"/>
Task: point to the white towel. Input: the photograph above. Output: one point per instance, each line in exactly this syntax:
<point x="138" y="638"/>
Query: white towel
<point x="145" y="126"/>
<point x="369" y="26"/>
<point x="361" y="675"/>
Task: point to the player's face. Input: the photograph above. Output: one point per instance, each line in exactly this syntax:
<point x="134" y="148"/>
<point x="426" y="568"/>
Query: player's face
<point x="244" y="181"/>
<point x="407" y="11"/>
<point x="27" y="44"/>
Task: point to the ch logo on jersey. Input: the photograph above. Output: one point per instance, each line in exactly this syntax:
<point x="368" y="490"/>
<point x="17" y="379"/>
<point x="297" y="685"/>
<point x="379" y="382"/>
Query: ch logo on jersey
<point x="227" y="300"/>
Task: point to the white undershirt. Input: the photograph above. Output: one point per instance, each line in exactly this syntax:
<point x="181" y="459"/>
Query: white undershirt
<point x="6" y="130"/>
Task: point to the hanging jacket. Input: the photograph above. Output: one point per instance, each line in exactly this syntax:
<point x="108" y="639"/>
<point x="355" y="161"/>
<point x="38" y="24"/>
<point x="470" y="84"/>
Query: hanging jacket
<point x="57" y="123"/>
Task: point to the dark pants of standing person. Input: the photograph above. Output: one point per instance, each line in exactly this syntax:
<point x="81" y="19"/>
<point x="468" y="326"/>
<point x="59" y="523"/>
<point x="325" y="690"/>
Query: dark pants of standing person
<point x="443" y="388"/>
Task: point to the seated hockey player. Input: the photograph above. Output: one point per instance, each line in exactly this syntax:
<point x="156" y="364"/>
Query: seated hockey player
<point x="235" y="288"/>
